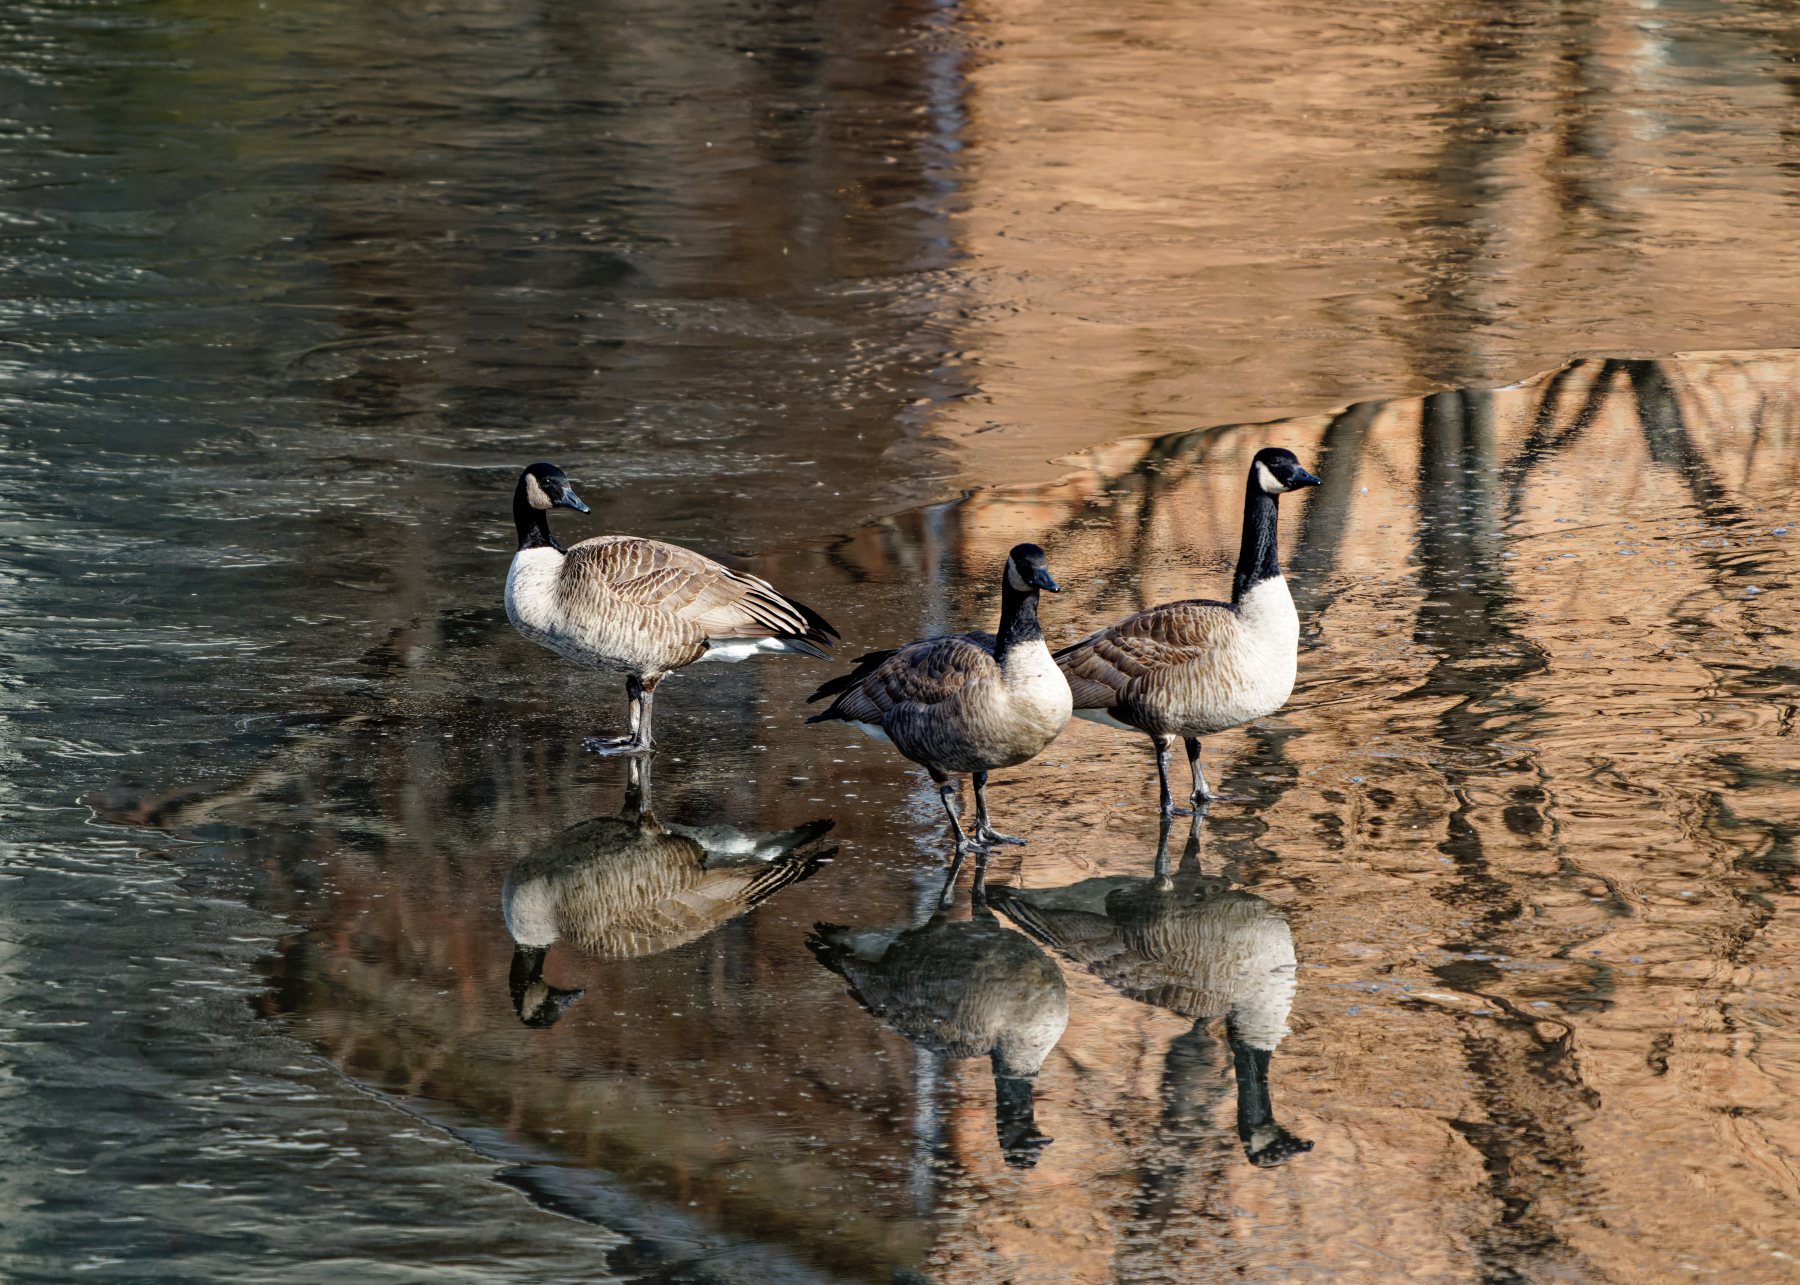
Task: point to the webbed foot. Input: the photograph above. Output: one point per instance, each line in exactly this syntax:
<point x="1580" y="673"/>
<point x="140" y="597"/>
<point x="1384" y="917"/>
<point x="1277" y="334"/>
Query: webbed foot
<point x="616" y="745"/>
<point x="987" y="837"/>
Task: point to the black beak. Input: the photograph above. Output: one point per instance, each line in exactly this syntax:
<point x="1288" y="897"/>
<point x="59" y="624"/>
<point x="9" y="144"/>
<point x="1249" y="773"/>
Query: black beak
<point x="570" y="500"/>
<point x="1302" y="478"/>
<point x="1040" y="579"/>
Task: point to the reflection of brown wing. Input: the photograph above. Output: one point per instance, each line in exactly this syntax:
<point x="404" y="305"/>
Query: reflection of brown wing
<point x="692" y="911"/>
<point x="1081" y="935"/>
<point x="1124" y="660"/>
<point x="1097" y="943"/>
<point x="921" y="674"/>
<point x="665" y="578"/>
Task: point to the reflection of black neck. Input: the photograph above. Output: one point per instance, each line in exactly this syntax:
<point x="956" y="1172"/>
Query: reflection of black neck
<point x="1014" y="1121"/>
<point x="1018" y="617"/>
<point x="1257" y="560"/>
<point x="533" y="523"/>
<point x="1253" y="1105"/>
<point x="1265" y="1142"/>
<point x="536" y="1002"/>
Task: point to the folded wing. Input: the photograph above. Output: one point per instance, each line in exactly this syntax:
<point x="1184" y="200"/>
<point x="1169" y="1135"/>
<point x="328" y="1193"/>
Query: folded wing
<point x="918" y="675"/>
<point x="667" y="580"/>
<point x="1128" y="656"/>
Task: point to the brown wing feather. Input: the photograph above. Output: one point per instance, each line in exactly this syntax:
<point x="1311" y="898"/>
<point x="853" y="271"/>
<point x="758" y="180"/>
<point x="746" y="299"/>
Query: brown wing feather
<point x="666" y="578"/>
<point x="1104" y="667"/>
<point x="921" y="674"/>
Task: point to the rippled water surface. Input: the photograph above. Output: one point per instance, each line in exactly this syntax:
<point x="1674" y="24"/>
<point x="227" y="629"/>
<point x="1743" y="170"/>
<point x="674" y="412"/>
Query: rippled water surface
<point x="293" y="815"/>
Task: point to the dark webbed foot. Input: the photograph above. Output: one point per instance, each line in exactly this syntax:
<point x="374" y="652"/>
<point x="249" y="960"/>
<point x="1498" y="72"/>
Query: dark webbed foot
<point x="988" y="836"/>
<point x="616" y="745"/>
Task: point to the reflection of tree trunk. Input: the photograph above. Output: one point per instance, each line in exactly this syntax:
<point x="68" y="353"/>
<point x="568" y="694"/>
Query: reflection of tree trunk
<point x="1666" y="436"/>
<point x="1467" y="614"/>
<point x="1328" y="506"/>
<point x="1535" y="1103"/>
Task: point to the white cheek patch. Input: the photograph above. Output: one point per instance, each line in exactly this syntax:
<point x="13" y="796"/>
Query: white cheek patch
<point x="534" y="494"/>
<point x="1013" y="580"/>
<point x="1267" y="481"/>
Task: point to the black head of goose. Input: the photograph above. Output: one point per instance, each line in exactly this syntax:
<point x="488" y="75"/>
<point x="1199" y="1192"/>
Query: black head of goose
<point x="1189" y="669"/>
<point x="962" y="989"/>
<point x="965" y="702"/>
<point x="1193" y="944"/>
<point x="640" y="607"/>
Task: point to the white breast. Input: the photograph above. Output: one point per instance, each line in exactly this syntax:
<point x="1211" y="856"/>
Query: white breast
<point x="1266" y="615"/>
<point x="531" y="594"/>
<point x="530" y="911"/>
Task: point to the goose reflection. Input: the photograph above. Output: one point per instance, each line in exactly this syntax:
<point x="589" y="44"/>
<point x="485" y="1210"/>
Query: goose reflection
<point x="626" y="886"/>
<point x="962" y="989"/>
<point x="1191" y="943"/>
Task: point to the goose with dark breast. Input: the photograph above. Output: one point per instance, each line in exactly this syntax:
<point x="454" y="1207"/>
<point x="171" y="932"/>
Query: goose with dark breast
<point x="640" y="607"/>
<point x="970" y="702"/>
<point x="1189" y="669"/>
<point x="962" y="989"/>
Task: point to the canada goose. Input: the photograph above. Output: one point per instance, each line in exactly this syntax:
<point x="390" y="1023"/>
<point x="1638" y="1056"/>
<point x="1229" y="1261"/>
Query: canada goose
<point x="961" y="990"/>
<point x="641" y="607"/>
<point x="1192" y="668"/>
<point x="624" y="887"/>
<point x="1192" y="944"/>
<point x="964" y="702"/>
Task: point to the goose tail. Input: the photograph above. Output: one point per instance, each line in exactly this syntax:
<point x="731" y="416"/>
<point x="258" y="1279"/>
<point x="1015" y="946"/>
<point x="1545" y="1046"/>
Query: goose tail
<point x="779" y="873"/>
<point x="844" y="684"/>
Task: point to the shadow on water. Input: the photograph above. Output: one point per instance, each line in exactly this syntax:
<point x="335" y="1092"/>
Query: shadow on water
<point x="1507" y="827"/>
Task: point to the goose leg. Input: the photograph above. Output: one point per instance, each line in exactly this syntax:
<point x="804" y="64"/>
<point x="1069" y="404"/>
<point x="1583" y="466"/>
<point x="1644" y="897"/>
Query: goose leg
<point x="978" y="889"/>
<point x="1166" y="800"/>
<point x="946" y="785"/>
<point x="638" y="694"/>
<point x="1163" y="879"/>
<point x="1203" y="794"/>
<point x="949" y="893"/>
<point x="985" y="833"/>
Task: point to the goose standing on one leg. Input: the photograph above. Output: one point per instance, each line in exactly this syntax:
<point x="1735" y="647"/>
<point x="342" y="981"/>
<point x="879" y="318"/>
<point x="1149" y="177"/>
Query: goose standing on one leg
<point x="1189" y="669"/>
<point x="641" y="607"/>
<point x="965" y="702"/>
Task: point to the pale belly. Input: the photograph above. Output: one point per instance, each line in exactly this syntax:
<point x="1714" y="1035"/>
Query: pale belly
<point x="1197" y="703"/>
<point x="532" y="607"/>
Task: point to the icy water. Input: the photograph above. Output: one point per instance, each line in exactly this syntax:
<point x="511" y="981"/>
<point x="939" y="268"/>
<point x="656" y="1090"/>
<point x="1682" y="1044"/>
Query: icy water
<point x="292" y="296"/>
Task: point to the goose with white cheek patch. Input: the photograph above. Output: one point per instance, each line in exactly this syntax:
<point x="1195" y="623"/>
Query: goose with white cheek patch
<point x="640" y="607"/>
<point x="965" y="702"/>
<point x="1189" y="669"/>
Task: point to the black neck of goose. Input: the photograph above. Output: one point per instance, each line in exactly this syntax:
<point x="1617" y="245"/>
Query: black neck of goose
<point x="1257" y="558"/>
<point x="1018" y="619"/>
<point x="533" y="523"/>
<point x="1015" y="1120"/>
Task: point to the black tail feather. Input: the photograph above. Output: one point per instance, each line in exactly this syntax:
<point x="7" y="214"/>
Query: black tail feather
<point x="817" y="626"/>
<point x="865" y="665"/>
